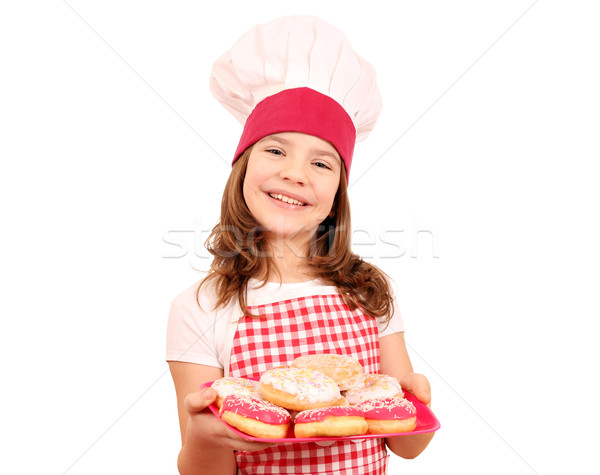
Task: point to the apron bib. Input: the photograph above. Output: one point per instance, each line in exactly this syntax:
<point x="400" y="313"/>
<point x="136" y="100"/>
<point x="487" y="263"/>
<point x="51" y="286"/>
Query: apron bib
<point x="304" y="326"/>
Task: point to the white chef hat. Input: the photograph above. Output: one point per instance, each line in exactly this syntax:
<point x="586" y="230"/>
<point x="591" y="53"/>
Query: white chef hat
<point x="298" y="73"/>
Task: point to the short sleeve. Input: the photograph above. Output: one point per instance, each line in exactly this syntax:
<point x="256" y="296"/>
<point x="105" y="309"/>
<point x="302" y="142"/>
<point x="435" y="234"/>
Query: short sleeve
<point x="191" y="331"/>
<point x="395" y="324"/>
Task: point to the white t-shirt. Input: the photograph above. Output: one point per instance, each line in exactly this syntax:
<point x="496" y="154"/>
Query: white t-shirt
<point x="204" y="335"/>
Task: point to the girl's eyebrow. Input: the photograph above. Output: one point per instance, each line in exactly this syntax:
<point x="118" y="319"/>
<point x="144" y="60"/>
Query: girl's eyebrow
<point x="316" y="151"/>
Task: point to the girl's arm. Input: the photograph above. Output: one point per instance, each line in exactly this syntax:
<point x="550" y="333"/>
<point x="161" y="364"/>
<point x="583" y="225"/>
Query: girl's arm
<point x="207" y="444"/>
<point x="395" y="362"/>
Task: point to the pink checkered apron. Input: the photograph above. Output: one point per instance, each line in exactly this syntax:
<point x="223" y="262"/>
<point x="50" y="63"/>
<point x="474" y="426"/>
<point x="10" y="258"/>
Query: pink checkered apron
<point x="305" y="326"/>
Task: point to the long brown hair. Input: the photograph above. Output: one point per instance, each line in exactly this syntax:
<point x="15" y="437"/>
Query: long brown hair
<point x="240" y="252"/>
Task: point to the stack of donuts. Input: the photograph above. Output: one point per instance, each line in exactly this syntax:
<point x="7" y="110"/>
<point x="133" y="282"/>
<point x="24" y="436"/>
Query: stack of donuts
<point x="324" y="395"/>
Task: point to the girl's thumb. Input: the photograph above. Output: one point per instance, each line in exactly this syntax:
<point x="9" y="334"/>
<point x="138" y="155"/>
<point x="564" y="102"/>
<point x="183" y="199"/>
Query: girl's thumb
<point x="199" y="400"/>
<point x="418" y="385"/>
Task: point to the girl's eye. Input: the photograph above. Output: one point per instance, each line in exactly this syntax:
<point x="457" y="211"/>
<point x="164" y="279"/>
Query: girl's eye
<point x="322" y="165"/>
<point x="274" y="151"/>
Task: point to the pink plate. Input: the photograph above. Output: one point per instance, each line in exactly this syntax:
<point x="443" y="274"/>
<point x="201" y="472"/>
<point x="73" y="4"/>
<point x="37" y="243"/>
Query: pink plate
<point x="426" y="422"/>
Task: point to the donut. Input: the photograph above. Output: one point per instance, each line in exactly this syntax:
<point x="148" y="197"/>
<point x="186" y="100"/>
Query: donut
<point x="389" y="415"/>
<point x="344" y="370"/>
<point x="334" y="421"/>
<point x="374" y="386"/>
<point x="228" y="385"/>
<point x="255" y="417"/>
<point x="299" y="389"/>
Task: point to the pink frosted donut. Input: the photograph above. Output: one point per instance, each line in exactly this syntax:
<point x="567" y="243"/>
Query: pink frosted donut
<point x="255" y="417"/>
<point x="389" y="415"/>
<point x="228" y="385"/>
<point x="375" y="386"/>
<point x="334" y="421"/>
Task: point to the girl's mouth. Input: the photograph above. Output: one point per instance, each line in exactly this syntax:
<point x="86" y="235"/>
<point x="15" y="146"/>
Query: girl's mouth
<point x="286" y="199"/>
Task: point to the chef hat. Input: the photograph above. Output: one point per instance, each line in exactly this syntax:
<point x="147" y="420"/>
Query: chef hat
<point x="298" y="74"/>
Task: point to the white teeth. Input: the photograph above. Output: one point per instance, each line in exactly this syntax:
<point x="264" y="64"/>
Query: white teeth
<point x="286" y="199"/>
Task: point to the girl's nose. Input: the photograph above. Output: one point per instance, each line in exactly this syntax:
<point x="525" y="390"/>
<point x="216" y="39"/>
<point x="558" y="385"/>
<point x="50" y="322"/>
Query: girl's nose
<point x="294" y="170"/>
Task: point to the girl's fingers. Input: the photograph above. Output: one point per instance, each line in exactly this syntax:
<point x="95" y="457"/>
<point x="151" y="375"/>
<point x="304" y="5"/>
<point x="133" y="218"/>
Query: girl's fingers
<point x="196" y="402"/>
<point x="249" y="446"/>
<point x="237" y="442"/>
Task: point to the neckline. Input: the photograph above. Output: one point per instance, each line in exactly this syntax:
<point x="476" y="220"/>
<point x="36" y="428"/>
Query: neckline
<point x="255" y="283"/>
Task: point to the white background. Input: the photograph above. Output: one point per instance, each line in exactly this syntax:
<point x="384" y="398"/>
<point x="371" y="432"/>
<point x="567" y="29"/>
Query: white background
<point x="484" y="157"/>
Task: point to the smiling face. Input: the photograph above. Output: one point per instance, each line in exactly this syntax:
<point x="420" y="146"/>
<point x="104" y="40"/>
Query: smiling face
<point x="290" y="184"/>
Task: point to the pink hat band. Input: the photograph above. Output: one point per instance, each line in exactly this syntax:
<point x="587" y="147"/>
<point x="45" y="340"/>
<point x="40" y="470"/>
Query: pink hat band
<point x="301" y="110"/>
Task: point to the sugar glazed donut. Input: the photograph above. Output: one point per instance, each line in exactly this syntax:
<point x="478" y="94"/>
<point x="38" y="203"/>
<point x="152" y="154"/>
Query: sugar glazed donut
<point x="255" y="417"/>
<point x="227" y="386"/>
<point x="344" y="370"/>
<point x="334" y="421"/>
<point x="389" y="415"/>
<point x="299" y="389"/>
<point x="375" y="386"/>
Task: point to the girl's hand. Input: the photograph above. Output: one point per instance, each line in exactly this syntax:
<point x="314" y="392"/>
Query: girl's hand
<point x="418" y="385"/>
<point x="206" y="430"/>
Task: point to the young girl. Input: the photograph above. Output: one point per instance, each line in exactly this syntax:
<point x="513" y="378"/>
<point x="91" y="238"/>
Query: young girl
<point x="284" y="281"/>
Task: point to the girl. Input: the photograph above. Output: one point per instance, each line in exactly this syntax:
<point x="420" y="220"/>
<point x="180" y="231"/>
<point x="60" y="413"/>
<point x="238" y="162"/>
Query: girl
<point x="284" y="281"/>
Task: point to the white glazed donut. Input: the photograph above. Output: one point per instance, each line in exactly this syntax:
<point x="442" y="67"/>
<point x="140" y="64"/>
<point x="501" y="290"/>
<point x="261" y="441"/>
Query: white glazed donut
<point x="344" y="370"/>
<point x="228" y="385"/>
<point x="375" y="386"/>
<point x="299" y="389"/>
